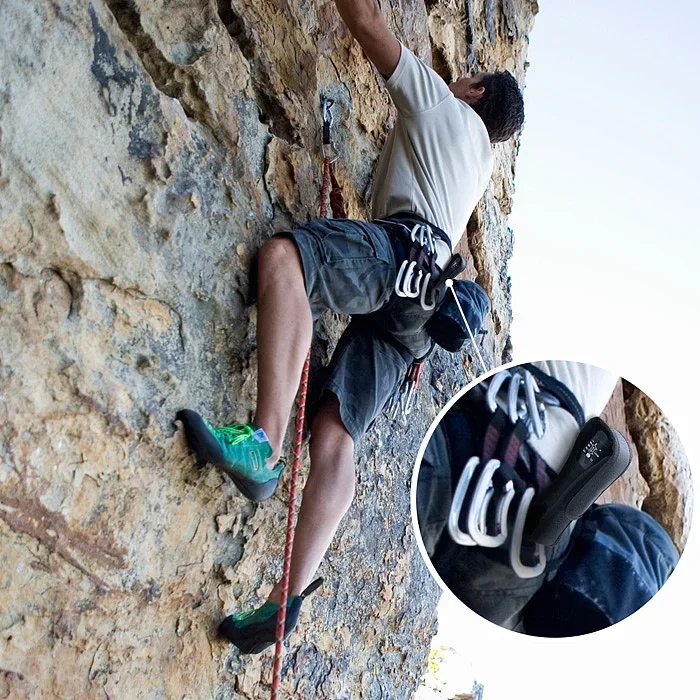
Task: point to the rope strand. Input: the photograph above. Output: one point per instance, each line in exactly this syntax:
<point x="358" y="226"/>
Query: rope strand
<point x="291" y="525"/>
<point x="330" y="184"/>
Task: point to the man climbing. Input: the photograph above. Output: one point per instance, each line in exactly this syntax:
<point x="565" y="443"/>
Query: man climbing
<point x="434" y="168"/>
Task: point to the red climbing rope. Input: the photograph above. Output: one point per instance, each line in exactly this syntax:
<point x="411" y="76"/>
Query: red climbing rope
<point x="337" y="202"/>
<point x="338" y="210"/>
<point x="291" y="524"/>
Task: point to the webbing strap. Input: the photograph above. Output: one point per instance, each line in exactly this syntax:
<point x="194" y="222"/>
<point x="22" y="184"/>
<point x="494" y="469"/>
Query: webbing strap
<point x="507" y="442"/>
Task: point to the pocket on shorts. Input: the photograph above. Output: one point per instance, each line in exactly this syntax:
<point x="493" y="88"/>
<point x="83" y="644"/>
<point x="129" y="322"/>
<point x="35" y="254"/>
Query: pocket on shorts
<point x="347" y="243"/>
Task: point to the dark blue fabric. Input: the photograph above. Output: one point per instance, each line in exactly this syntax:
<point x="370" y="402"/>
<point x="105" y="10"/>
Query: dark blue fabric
<point x="619" y="560"/>
<point x="446" y="327"/>
<point x="349" y="265"/>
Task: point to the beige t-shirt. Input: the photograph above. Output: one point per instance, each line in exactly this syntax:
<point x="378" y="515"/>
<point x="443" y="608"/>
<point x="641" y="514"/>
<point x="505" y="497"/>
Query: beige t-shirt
<point x="437" y="161"/>
<point x="593" y="388"/>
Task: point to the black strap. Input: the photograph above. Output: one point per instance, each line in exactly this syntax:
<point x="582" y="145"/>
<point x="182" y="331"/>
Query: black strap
<point x="311" y="587"/>
<point x="410" y="219"/>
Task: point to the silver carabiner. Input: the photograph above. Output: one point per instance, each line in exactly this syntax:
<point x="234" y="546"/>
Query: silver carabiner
<point x="483" y="511"/>
<point x="406" y="286"/>
<point x="535" y="410"/>
<point x="531" y="410"/>
<point x="520" y="569"/>
<point x="399" y="279"/>
<point x="479" y="500"/>
<point x="494" y="387"/>
<point x="424" y="293"/>
<point x="430" y="240"/>
<point x="327" y="111"/>
<point x="406" y="399"/>
<point x="457" y="534"/>
<point x="326" y="141"/>
<point x="501" y="513"/>
<point x="513" y="390"/>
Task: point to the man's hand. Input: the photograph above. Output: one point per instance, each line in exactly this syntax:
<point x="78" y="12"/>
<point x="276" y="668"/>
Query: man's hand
<point x="365" y="20"/>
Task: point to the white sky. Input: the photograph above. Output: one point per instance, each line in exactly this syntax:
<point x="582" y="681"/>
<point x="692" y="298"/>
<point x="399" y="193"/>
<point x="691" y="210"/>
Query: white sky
<point x="605" y="270"/>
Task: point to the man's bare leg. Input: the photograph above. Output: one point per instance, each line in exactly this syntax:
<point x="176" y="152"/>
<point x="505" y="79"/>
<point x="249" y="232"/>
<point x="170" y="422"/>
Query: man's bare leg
<point x="327" y="496"/>
<point x="284" y="336"/>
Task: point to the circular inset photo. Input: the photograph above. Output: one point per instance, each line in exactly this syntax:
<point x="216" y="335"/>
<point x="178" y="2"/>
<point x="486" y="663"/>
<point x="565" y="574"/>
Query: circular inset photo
<point x="552" y="498"/>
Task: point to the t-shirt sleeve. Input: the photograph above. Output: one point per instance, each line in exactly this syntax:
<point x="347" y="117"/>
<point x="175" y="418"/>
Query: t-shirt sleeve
<point x="414" y="87"/>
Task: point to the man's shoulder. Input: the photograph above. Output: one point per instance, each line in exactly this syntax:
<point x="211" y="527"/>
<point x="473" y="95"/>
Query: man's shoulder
<point x="414" y="86"/>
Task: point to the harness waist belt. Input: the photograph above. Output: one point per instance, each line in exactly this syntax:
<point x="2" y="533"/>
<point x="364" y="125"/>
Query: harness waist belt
<point x="416" y="251"/>
<point x="402" y="222"/>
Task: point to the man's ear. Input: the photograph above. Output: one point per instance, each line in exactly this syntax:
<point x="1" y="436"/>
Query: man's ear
<point x="476" y="92"/>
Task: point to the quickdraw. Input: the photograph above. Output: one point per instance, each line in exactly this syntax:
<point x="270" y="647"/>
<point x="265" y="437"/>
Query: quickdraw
<point x="402" y="401"/>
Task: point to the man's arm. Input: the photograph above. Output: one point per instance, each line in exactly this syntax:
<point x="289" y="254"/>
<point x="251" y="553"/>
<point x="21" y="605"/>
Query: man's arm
<point x="365" y="20"/>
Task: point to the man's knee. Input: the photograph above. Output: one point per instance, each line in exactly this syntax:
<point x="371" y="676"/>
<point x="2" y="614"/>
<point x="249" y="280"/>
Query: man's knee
<point x="279" y="257"/>
<point x="332" y="453"/>
<point x="327" y="424"/>
<point x="328" y="432"/>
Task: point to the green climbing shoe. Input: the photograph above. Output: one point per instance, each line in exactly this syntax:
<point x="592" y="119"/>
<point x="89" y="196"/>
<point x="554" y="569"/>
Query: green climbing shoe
<point x="255" y="630"/>
<point x="241" y="450"/>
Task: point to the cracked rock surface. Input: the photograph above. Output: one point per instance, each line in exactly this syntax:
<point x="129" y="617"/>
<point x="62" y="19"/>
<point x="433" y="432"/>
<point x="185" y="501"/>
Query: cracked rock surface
<point x="658" y="480"/>
<point x="147" y="149"/>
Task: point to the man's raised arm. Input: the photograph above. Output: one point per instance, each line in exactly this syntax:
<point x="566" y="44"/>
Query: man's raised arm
<point x="365" y="20"/>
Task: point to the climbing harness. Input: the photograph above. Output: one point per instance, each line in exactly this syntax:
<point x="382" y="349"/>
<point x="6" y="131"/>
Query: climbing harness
<point x="330" y="189"/>
<point x="509" y="491"/>
<point x="448" y="327"/>
<point x="419" y="279"/>
<point x="418" y="276"/>
<point x="415" y="273"/>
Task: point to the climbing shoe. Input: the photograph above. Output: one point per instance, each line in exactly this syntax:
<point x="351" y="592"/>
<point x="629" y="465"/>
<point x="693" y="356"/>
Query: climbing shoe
<point x="255" y="630"/>
<point x="241" y="450"/>
<point x="599" y="457"/>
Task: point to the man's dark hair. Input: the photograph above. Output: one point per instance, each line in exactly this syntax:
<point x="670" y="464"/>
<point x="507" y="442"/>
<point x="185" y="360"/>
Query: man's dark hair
<point x="501" y="106"/>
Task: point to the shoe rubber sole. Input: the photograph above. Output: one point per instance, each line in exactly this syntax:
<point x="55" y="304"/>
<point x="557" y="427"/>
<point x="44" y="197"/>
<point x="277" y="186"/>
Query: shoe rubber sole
<point x="255" y="638"/>
<point x="599" y="457"/>
<point x="207" y="449"/>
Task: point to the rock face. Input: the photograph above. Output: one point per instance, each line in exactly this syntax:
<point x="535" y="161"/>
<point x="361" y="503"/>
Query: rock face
<point x="658" y="481"/>
<point x="630" y="488"/>
<point x="146" y="150"/>
<point x="663" y="464"/>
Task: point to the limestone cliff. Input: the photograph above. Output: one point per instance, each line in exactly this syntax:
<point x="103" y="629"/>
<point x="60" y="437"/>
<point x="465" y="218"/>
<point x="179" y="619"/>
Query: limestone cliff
<point x="146" y="150"/>
<point x="658" y="480"/>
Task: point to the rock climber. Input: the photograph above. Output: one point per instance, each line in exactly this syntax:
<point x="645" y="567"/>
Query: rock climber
<point x="554" y="564"/>
<point x="434" y="167"/>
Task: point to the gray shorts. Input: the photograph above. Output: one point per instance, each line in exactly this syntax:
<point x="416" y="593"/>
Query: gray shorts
<point x="350" y="268"/>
